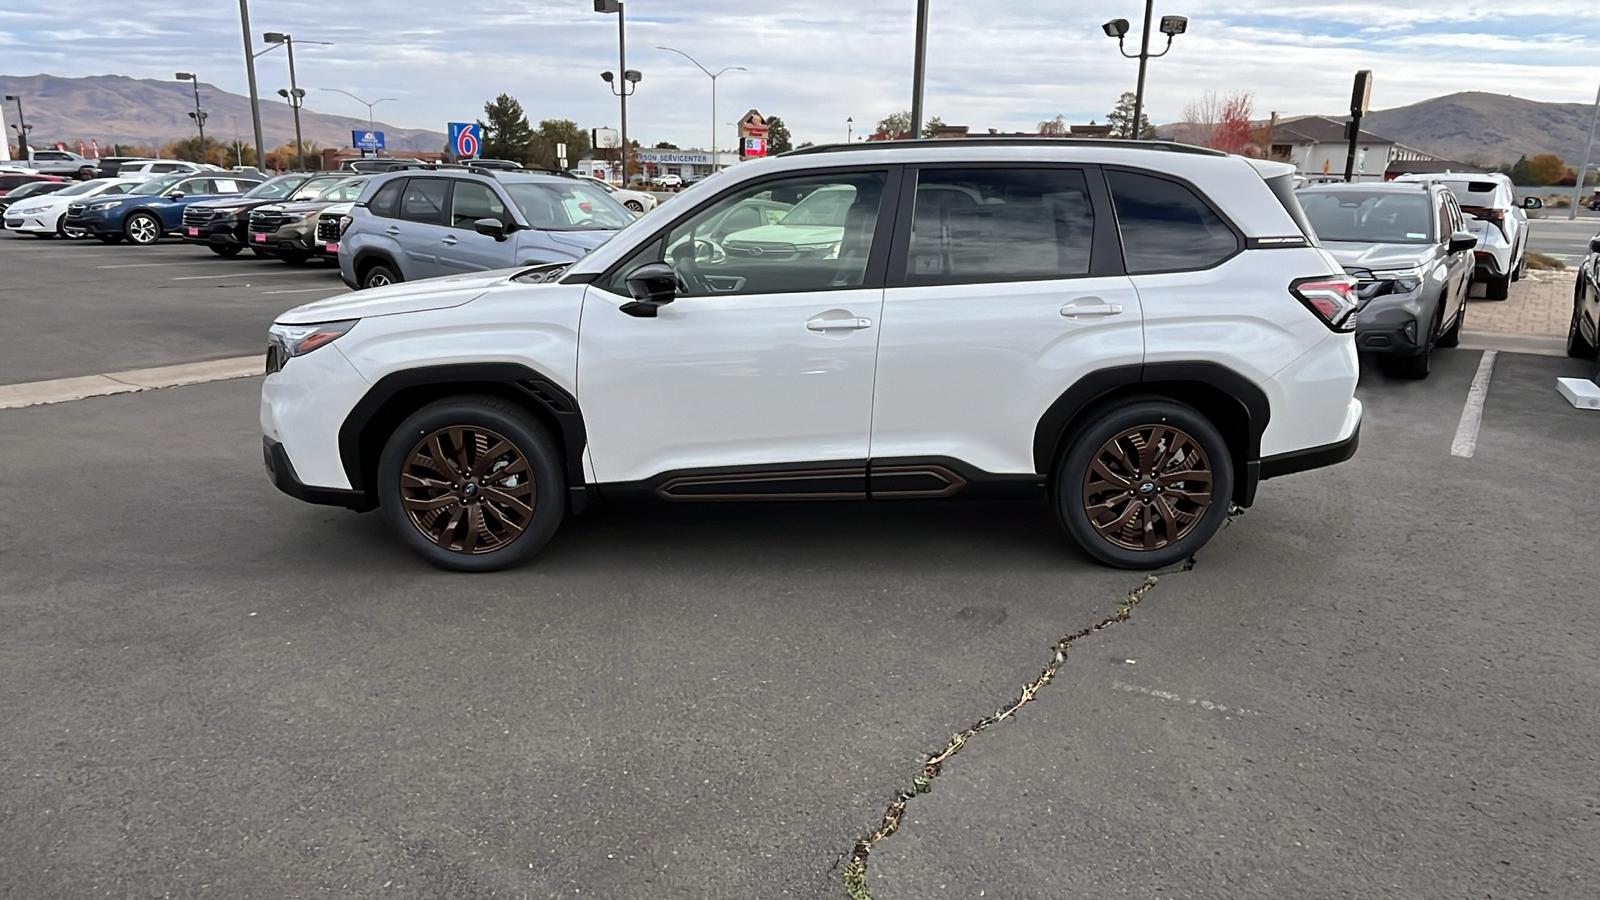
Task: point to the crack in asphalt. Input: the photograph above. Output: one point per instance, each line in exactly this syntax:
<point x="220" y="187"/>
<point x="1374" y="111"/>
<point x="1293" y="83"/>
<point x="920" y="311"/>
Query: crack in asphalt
<point x="855" y="871"/>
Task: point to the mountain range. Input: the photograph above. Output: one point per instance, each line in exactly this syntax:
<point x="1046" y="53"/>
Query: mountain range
<point x="1490" y="128"/>
<point x="115" y="109"/>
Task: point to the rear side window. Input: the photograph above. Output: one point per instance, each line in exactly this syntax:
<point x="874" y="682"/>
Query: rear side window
<point x="984" y="225"/>
<point x="1166" y="227"/>
<point x="386" y="202"/>
<point x="423" y="200"/>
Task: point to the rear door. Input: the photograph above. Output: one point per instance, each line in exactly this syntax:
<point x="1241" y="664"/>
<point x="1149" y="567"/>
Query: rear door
<point x="420" y="227"/>
<point x="1005" y="288"/>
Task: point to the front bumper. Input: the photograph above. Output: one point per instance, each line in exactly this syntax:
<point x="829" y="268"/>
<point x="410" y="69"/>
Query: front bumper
<point x="89" y="223"/>
<point x="1395" y="325"/>
<point x="283" y="476"/>
<point x="217" y="232"/>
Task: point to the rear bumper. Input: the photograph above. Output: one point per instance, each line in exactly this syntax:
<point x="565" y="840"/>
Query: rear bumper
<point x="1313" y="457"/>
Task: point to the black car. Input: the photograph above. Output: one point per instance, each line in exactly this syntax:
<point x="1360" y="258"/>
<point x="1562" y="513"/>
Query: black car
<point x="30" y="189"/>
<point x="221" y="224"/>
<point x="1583" y="336"/>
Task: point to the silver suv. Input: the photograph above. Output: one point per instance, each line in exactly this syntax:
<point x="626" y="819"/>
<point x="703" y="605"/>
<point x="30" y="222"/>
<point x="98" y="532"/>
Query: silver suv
<point x="1409" y="248"/>
<point x="424" y="223"/>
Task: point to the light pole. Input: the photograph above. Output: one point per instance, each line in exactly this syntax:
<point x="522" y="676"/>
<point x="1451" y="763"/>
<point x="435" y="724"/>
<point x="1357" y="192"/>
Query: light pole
<point x="1171" y="26"/>
<point x="371" y="125"/>
<point x="630" y="77"/>
<point x="294" y="94"/>
<point x="1577" y="190"/>
<point x="714" y="78"/>
<point x="21" y="128"/>
<point x="199" y="115"/>
<point x="849" y="128"/>
<point x="250" y="71"/>
<point x="919" y="70"/>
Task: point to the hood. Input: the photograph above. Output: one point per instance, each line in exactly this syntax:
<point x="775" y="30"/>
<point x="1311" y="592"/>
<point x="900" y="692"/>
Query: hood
<point x="789" y="234"/>
<point x="1379" y="257"/>
<point x="406" y="297"/>
<point x="579" y="242"/>
<point x="339" y="209"/>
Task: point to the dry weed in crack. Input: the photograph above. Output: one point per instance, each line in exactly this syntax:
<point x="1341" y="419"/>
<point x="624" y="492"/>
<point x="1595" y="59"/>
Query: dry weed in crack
<point x="855" y="871"/>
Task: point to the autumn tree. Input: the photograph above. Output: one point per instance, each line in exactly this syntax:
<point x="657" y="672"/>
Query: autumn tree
<point x="214" y="151"/>
<point x="778" y="138"/>
<point x="506" y="132"/>
<point x="1121" y="120"/>
<point x="1221" y="122"/>
<point x="1546" y="168"/>
<point x="282" y="157"/>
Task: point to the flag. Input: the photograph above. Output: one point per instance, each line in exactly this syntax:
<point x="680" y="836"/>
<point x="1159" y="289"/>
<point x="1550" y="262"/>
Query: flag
<point x="81" y="151"/>
<point x="95" y="146"/>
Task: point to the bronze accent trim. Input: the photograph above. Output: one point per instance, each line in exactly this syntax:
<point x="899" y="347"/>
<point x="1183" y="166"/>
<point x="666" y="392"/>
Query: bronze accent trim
<point x="733" y="480"/>
<point x="953" y="483"/>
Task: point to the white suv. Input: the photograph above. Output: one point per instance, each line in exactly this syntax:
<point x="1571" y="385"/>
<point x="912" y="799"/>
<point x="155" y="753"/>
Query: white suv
<point x="1139" y="331"/>
<point x="1497" y="220"/>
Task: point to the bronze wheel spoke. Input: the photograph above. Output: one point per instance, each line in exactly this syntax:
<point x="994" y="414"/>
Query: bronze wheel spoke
<point x="1187" y="476"/>
<point x="488" y="457"/>
<point x="440" y="460"/>
<point x="1109" y="503"/>
<point x="1098" y="467"/>
<point x="1131" y="490"/>
<point x="502" y="496"/>
<point x="457" y="500"/>
<point x="417" y="481"/>
<point x="429" y="505"/>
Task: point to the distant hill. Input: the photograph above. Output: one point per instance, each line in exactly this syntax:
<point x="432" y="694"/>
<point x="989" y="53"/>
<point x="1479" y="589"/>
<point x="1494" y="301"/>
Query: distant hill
<point x="117" y="109"/>
<point x="1493" y="128"/>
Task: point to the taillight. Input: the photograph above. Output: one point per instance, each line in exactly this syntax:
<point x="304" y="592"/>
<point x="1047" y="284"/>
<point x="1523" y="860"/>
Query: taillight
<point x="1331" y="297"/>
<point x="344" y="224"/>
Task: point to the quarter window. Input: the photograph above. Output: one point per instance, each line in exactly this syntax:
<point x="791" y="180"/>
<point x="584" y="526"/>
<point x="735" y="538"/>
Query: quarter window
<point x="386" y="202"/>
<point x="423" y="200"/>
<point x="1166" y="227"/>
<point x="984" y="225"/>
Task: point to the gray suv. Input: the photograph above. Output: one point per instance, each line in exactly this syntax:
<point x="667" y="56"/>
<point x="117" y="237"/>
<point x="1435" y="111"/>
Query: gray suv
<point x="428" y="222"/>
<point x="1409" y="248"/>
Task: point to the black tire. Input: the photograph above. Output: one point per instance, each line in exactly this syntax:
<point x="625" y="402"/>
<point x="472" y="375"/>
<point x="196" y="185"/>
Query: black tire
<point x="263" y="254"/>
<point x="142" y="229"/>
<point x="1411" y="368"/>
<point x="1074" y="495"/>
<point x="379" y="276"/>
<point x="109" y="238"/>
<point x="229" y="250"/>
<point x="1451" y="337"/>
<point x="463" y="520"/>
<point x="1497" y="288"/>
<point x="1577" y="346"/>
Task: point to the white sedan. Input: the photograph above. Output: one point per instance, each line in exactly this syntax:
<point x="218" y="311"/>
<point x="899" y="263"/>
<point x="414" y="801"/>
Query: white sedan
<point x="637" y="202"/>
<point x="43" y="216"/>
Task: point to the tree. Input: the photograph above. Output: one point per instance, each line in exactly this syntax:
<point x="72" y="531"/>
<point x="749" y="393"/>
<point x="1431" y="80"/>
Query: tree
<point x="666" y="145"/>
<point x="282" y="157"/>
<point x="542" y="143"/>
<point x="893" y="128"/>
<point x="1121" y="120"/>
<point x="932" y="126"/>
<point x="506" y="133"/>
<point x="1546" y="168"/>
<point x="214" y="152"/>
<point x="778" y="139"/>
<point x="1221" y="122"/>
<point x="1056" y="127"/>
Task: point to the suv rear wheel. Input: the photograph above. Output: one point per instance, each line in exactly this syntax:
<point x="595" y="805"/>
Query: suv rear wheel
<point x="1145" y="484"/>
<point x="472" y="483"/>
<point x="378" y="276"/>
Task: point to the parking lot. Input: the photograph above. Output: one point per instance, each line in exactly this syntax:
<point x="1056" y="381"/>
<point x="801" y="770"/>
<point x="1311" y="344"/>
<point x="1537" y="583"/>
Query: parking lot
<point x="1377" y="682"/>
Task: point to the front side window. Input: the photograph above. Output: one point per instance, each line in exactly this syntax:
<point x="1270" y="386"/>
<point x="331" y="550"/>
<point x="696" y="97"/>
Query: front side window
<point x="276" y="188"/>
<point x="981" y="225"/>
<point x="194" y="187"/>
<point x="1370" y="216"/>
<point x="1166" y="227"/>
<point x="472" y="201"/>
<point x="568" y="206"/>
<point x="423" y="200"/>
<point x="821" y="241"/>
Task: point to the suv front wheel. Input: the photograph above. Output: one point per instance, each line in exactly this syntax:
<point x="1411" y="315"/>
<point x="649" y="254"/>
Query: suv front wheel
<point x="1145" y="484"/>
<point x="472" y="483"/>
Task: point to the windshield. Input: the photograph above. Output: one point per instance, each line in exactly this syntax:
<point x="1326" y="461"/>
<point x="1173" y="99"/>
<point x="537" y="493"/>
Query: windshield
<point x="276" y="188"/>
<point x="568" y="206"/>
<point x="316" y="185"/>
<point x="344" y="191"/>
<point x="1369" y="216"/>
<point x="824" y="207"/>
<point x="84" y="187"/>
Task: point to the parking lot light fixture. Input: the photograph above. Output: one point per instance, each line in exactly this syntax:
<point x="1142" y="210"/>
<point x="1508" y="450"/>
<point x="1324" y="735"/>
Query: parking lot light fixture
<point x="1171" y="26"/>
<point x="250" y="73"/>
<point x="22" y="128"/>
<point x="629" y="77"/>
<point x="199" y="115"/>
<point x="371" y="125"/>
<point x="294" y="94"/>
<point x="713" y="78"/>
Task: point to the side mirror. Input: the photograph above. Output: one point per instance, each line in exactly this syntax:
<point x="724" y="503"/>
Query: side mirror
<point x="1462" y="240"/>
<point x="491" y="227"/>
<point x="652" y="286"/>
<point x="175" y="195"/>
<point x="1594" y="244"/>
<point x="1532" y="203"/>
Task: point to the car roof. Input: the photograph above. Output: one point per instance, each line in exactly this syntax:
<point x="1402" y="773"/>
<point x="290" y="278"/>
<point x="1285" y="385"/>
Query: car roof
<point x="1388" y="187"/>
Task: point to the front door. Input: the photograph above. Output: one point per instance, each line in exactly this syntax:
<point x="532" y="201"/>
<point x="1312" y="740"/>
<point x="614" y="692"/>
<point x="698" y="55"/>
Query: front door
<point x="756" y="381"/>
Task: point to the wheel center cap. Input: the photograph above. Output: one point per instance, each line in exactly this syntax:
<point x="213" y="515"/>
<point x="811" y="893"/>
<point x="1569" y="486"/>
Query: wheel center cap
<point x="469" y="490"/>
<point x="1146" y="487"/>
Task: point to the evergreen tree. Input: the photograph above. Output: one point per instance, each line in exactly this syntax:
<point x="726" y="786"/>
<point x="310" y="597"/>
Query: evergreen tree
<point x="778" y="139"/>
<point x="1121" y="120"/>
<point x="542" y="144"/>
<point x="506" y="133"/>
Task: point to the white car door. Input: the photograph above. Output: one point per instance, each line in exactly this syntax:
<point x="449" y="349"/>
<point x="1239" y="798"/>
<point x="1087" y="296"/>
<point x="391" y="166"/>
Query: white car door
<point x="755" y="381"/>
<point x="1006" y="291"/>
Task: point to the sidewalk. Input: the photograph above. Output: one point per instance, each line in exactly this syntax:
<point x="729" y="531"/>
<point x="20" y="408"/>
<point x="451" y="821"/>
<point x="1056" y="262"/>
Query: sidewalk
<point x="1540" y="304"/>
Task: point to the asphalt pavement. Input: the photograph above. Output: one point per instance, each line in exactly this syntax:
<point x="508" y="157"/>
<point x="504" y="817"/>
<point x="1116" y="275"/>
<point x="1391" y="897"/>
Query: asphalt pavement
<point x="1565" y="239"/>
<point x="1377" y="682"/>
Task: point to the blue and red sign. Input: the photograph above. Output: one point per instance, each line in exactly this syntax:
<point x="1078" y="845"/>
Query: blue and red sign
<point x="466" y="138"/>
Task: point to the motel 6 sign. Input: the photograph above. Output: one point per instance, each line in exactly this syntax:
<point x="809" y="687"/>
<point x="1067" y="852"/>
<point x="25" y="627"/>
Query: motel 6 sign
<point x="466" y="138"/>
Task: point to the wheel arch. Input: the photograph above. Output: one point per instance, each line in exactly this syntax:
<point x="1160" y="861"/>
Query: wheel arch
<point x="372" y="420"/>
<point x="1236" y="406"/>
<point x="366" y="259"/>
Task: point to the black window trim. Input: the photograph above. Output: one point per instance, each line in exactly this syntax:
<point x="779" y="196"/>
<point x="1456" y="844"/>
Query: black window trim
<point x="379" y="188"/>
<point x="1241" y="242"/>
<point x="1105" y="258"/>
<point x="884" y="234"/>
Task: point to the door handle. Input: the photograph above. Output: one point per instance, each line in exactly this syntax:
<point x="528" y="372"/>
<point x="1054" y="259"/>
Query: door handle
<point x="823" y="323"/>
<point x="1086" y="308"/>
<point x="450" y="239"/>
<point x="392" y="230"/>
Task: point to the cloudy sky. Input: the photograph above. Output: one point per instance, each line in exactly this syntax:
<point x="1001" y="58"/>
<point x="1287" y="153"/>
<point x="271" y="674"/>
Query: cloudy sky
<point x="816" y="62"/>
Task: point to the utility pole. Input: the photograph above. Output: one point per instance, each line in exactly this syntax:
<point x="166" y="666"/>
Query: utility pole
<point x="1577" y="190"/>
<point x="250" y="72"/>
<point x="919" y="70"/>
<point x="1360" y="102"/>
<point x="628" y="81"/>
<point x="22" y="129"/>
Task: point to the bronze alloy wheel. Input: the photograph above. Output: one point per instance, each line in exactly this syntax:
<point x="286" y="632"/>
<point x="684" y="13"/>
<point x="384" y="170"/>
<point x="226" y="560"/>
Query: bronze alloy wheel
<point x="1148" y="487"/>
<point x="468" y="489"/>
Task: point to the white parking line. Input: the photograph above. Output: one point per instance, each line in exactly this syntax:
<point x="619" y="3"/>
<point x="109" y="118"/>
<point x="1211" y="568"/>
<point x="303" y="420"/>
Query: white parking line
<point x="1466" y="442"/>
<point x="146" y="265"/>
<point x="303" y="291"/>
<point x="245" y="274"/>
<point x="61" y="390"/>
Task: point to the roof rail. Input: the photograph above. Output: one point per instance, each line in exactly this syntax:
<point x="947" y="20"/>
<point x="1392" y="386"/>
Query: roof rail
<point x="1008" y="141"/>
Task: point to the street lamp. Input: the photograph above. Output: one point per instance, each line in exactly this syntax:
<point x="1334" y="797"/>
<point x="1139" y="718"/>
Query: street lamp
<point x="199" y="115"/>
<point x="849" y="128"/>
<point x="250" y="71"/>
<point x="294" y="94"/>
<point x="371" y="125"/>
<point x="714" y="78"/>
<point x="21" y="128"/>
<point x="1171" y="26"/>
<point x="630" y="77"/>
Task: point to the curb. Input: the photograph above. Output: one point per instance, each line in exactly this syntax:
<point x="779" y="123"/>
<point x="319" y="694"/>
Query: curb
<point x="63" y="390"/>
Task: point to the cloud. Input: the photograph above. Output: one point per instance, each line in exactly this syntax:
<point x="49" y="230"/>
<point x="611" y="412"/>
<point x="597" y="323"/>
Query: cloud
<point x="815" y="62"/>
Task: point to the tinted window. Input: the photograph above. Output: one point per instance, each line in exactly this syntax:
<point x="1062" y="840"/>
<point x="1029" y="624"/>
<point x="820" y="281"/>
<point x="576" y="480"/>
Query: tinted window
<point x="829" y="252"/>
<point x="314" y="186"/>
<point x="161" y="168"/>
<point x="1370" y="216"/>
<point x="1165" y="227"/>
<point x="386" y="202"/>
<point x="472" y="201"/>
<point x="276" y="188"/>
<point x="423" y="200"/>
<point x="999" y="225"/>
<point x="568" y="206"/>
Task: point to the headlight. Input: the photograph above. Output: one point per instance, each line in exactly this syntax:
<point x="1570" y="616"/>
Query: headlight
<point x="298" y="340"/>
<point x="1404" y="280"/>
